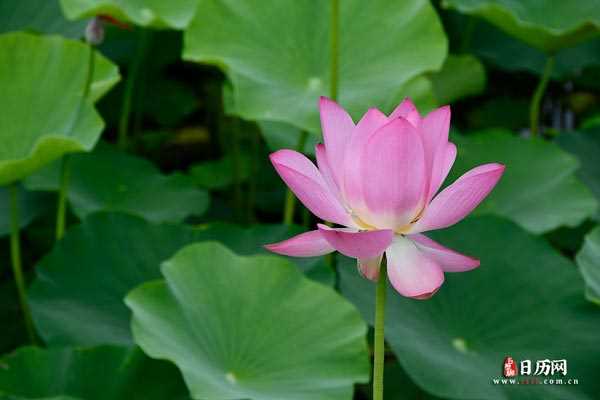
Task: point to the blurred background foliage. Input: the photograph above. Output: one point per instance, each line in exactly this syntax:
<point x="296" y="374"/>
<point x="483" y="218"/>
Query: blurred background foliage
<point x="169" y="197"/>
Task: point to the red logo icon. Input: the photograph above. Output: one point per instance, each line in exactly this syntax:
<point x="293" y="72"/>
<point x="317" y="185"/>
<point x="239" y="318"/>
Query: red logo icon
<point x="510" y="368"/>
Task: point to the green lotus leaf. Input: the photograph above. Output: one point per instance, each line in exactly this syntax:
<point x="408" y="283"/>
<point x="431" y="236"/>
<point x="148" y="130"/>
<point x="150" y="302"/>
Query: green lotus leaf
<point x="588" y="260"/>
<point x="174" y="14"/>
<point x="44" y="16"/>
<point x="97" y="373"/>
<point x="524" y="301"/>
<point x="586" y="147"/>
<point x="279" y="135"/>
<point x="420" y="90"/>
<point x="508" y="53"/>
<point x="537" y="174"/>
<point x="77" y="297"/>
<point x="109" y="180"/>
<point x="249" y="328"/>
<point x="547" y="27"/>
<point x="461" y="76"/>
<point x="279" y="70"/>
<point x="44" y="114"/>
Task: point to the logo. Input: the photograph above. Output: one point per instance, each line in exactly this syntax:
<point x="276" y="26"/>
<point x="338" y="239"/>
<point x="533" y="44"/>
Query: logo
<point x="540" y="372"/>
<point x="510" y="368"/>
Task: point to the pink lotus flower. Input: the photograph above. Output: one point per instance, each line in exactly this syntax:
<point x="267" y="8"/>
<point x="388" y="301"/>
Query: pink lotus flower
<point x="379" y="179"/>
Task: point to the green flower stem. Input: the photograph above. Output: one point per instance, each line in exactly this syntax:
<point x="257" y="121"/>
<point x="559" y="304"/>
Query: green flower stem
<point x="61" y="211"/>
<point x="290" y="199"/>
<point x="536" y="100"/>
<point x="256" y="154"/>
<point x="379" y="352"/>
<point x="15" y="253"/>
<point x="334" y="53"/>
<point x="306" y="218"/>
<point x="237" y="169"/>
<point x="132" y="76"/>
<point x="288" y="209"/>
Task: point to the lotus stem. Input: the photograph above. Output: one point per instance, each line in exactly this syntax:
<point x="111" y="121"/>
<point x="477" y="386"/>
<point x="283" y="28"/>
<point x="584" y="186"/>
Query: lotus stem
<point x="254" y="162"/>
<point x="65" y="173"/>
<point x="132" y="76"/>
<point x="237" y="169"/>
<point x="379" y="341"/>
<point x="536" y="100"/>
<point x="290" y="199"/>
<point x="334" y="53"/>
<point x="15" y="254"/>
<point x="61" y="210"/>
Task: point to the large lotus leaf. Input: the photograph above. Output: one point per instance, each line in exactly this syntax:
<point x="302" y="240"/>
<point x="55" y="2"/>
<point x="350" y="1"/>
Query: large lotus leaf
<point x="109" y="180"/>
<point x="588" y="260"/>
<point x="277" y="53"/>
<point x="539" y="189"/>
<point x="153" y="13"/>
<point x="508" y="53"/>
<point x="31" y="206"/>
<point x="525" y="301"/>
<point x="247" y="241"/>
<point x="586" y="147"/>
<point x="44" y="114"/>
<point x="279" y="135"/>
<point x="77" y="297"/>
<point x="420" y="90"/>
<point x="547" y="27"/>
<point x="250" y="328"/>
<point x="43" y="16"/>
<point x="461" y="76"/>
<point x="97" y="373"/>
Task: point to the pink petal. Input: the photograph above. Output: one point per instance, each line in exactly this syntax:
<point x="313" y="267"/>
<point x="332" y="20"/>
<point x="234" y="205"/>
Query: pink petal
<point x="449" y="260"/>
<point x="352" y="188"/>
<point x="414" y="118"/>
<point x="442" y="164"/>
<point x="434" y="132"/>
<point x="403" y="109"/>
<point x="457" y="200"/>
<point x="305" y="180"/>
<point x="412" y="273"/>
<point x="369" y="267"/>
<point x="435" y="127"/>
<point x="367" y="244"/>
<point x="325" y="170"/>
<point x="337" y="127"/>
<point x="307" y="244"/>
<point x="393" y="175"/>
